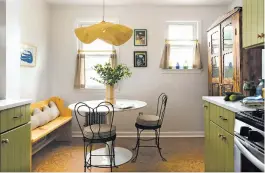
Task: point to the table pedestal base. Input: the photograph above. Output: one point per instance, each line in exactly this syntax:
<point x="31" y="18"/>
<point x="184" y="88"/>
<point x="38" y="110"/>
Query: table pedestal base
<point x="122" y="156"/>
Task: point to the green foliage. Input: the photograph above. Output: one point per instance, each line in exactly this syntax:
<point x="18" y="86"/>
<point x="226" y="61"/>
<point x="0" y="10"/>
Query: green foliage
<point x="109" y="75"/>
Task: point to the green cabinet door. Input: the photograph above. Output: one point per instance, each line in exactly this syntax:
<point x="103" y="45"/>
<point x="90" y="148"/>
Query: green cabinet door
<point x="206" y="135"/>
<point x="253" y="23"/>
<point x="214" y="149"/>
<point x="221" y="149"/>
<point x="228" y="151"/>
<point x="260" y="16"/>
<point x="245" y="28"/>
<point x="15" y="150"/>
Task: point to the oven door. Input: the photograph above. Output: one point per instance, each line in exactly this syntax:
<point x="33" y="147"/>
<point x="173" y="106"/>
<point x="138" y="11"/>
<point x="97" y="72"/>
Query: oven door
<point x="248" y="158"/>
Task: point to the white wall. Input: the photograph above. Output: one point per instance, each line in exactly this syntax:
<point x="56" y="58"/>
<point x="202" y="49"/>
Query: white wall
<point x="34" y="29"/>
<point x="13" y="49"/>
<point x="184" y="110"/>
<point x="2" y="50"/>
<point x="235" y="3"/>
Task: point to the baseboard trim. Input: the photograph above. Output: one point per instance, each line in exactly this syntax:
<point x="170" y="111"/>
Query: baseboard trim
<point x="182" y="134"/>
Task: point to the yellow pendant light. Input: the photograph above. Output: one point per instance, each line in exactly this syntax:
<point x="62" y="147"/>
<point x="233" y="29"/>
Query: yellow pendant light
<point x="114" y="34"/>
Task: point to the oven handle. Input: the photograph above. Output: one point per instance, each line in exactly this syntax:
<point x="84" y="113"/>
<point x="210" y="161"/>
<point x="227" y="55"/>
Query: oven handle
<point x="248" y="155"/>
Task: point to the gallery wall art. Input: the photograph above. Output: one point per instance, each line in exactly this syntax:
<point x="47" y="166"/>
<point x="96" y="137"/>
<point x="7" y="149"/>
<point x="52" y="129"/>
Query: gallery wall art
<point x="28" y="54"/>
<point x="140" y="37"/>
<point x="140" y="58"/>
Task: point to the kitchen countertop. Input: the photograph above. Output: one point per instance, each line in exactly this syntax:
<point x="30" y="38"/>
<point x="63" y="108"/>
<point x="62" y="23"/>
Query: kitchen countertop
<point x="232" y="106"/>
<point x="10" y="103"/>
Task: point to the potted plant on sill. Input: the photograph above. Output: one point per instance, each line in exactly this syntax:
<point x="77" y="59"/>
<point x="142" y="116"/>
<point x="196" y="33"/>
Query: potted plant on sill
<point x="110" y="76"/>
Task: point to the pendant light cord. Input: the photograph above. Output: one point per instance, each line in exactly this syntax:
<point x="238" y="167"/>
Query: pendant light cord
<point x="103" y="10"/>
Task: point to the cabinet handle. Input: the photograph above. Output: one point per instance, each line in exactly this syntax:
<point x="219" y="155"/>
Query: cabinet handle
<point x="18" y="116"/>
<point x="205" y="106"/>
<point x="261" y="35"/>
<point x="223" y="138"/>
<point x="222" y="118"/>
<point x="220" y="136"/>
<point x="5" y="141"/>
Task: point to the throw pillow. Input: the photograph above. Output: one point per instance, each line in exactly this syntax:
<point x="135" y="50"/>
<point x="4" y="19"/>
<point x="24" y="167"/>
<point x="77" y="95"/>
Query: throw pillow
<point x="47" y="110"/>
<point x="34" y="122"/>
<point x="43" y="117"/>
<point x="54" y="110"/>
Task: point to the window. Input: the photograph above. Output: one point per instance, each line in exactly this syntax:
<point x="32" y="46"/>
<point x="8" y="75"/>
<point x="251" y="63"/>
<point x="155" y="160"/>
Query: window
<point x="98" y="52"/>
<point x="182" y="37"/>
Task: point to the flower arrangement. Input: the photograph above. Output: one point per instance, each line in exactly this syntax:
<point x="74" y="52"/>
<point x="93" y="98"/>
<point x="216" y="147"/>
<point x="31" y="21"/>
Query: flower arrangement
<point x="111" y="76"/>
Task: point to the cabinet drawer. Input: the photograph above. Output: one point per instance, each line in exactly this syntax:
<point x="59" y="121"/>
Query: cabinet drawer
<point x="15" y="150"/>
<point x="11" y="118"/>
<point x="223" y="117"/>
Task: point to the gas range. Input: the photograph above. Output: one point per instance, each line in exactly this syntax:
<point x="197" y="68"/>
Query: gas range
<point x="249" y="141"/>
<point x="253" y="118"/>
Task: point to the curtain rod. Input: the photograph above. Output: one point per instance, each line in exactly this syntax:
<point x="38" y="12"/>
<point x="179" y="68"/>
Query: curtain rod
<point x="105" y="51"/>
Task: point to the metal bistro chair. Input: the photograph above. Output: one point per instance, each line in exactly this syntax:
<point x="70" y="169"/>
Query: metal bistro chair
<point x="151" y="122"/>
<point x="96" y="131"/>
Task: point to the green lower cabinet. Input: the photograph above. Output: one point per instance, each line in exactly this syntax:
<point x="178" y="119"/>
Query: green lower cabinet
<point x="221" y="149"/>
<point x="219" y="141"/>
<point x="15" y="150"/>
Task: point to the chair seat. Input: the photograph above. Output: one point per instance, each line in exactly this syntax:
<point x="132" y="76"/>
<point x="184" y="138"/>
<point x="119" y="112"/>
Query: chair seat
<point x="99" y="133"/>
<point x="148" y="120"/>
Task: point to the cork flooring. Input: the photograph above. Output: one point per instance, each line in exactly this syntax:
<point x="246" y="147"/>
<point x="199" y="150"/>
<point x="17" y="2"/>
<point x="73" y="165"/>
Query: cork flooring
<point x="182" y="154"/>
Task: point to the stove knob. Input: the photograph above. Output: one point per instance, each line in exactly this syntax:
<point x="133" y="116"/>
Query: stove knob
<point x="255" y="136"/>
<point x="244" y="131"/>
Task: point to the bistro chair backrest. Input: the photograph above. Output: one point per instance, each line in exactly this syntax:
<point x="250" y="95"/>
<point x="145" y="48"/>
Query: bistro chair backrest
<point x="93" y="116"/>
<point x="161" y="106"/>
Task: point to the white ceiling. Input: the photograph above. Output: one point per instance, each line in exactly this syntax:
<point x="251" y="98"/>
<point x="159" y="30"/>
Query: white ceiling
<point x="142" y="2"/>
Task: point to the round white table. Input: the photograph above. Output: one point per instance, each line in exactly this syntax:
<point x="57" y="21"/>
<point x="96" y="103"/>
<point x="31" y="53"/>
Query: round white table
<point x="122" y="155"/>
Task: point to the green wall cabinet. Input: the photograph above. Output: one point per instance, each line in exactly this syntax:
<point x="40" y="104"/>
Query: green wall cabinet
<point x="253" y="23"/>
<point x="219" y="143"/>
<point x="15" y="140"/>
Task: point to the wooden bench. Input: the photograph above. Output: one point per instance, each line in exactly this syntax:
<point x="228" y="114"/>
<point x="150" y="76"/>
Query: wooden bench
<point x="59" y="129"/>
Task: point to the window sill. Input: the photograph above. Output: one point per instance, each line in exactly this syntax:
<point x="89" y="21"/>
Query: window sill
<point x="181" y="71"/>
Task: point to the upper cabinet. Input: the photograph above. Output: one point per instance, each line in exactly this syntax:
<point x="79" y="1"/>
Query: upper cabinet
<point x="253" y="23"/>
<point x="224" y="52"/>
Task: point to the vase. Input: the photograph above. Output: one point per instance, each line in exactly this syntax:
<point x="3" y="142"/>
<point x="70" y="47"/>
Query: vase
<point x="110" y="94"/>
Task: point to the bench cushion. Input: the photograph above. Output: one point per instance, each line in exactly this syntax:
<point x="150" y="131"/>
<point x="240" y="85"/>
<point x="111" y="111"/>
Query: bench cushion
<point x="103" y="133"/>
<point x="148" y="120"/>
<point x="42" y="131"/>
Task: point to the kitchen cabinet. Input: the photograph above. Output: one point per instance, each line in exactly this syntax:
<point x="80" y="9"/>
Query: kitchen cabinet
<point x="224" y="54"/>
<point x="253" y="23"/>
<point x="219" y="141"/>
<point x="15" y="139"/>
<point x="15" y="150"/>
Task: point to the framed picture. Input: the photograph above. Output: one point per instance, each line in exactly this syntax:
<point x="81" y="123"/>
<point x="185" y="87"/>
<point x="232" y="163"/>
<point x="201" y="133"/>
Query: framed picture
<point x="28" y="55"/>
<point x="140" y="59"/>
<point x="140" y="37"/>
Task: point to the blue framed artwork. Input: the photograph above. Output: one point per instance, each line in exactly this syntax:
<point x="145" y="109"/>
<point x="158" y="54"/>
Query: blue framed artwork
<point x="28" y="55"/>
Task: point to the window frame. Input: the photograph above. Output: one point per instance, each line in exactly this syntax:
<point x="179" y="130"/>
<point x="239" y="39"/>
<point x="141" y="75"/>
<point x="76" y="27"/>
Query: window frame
<point x="80" y="46"/>
<point x="196" y="36"/>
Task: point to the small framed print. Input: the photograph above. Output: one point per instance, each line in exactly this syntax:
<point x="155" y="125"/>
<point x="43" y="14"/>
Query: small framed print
<point x="140" y="59"/>
<point x="28" y="55"/>
<point x="140" y="37"/>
